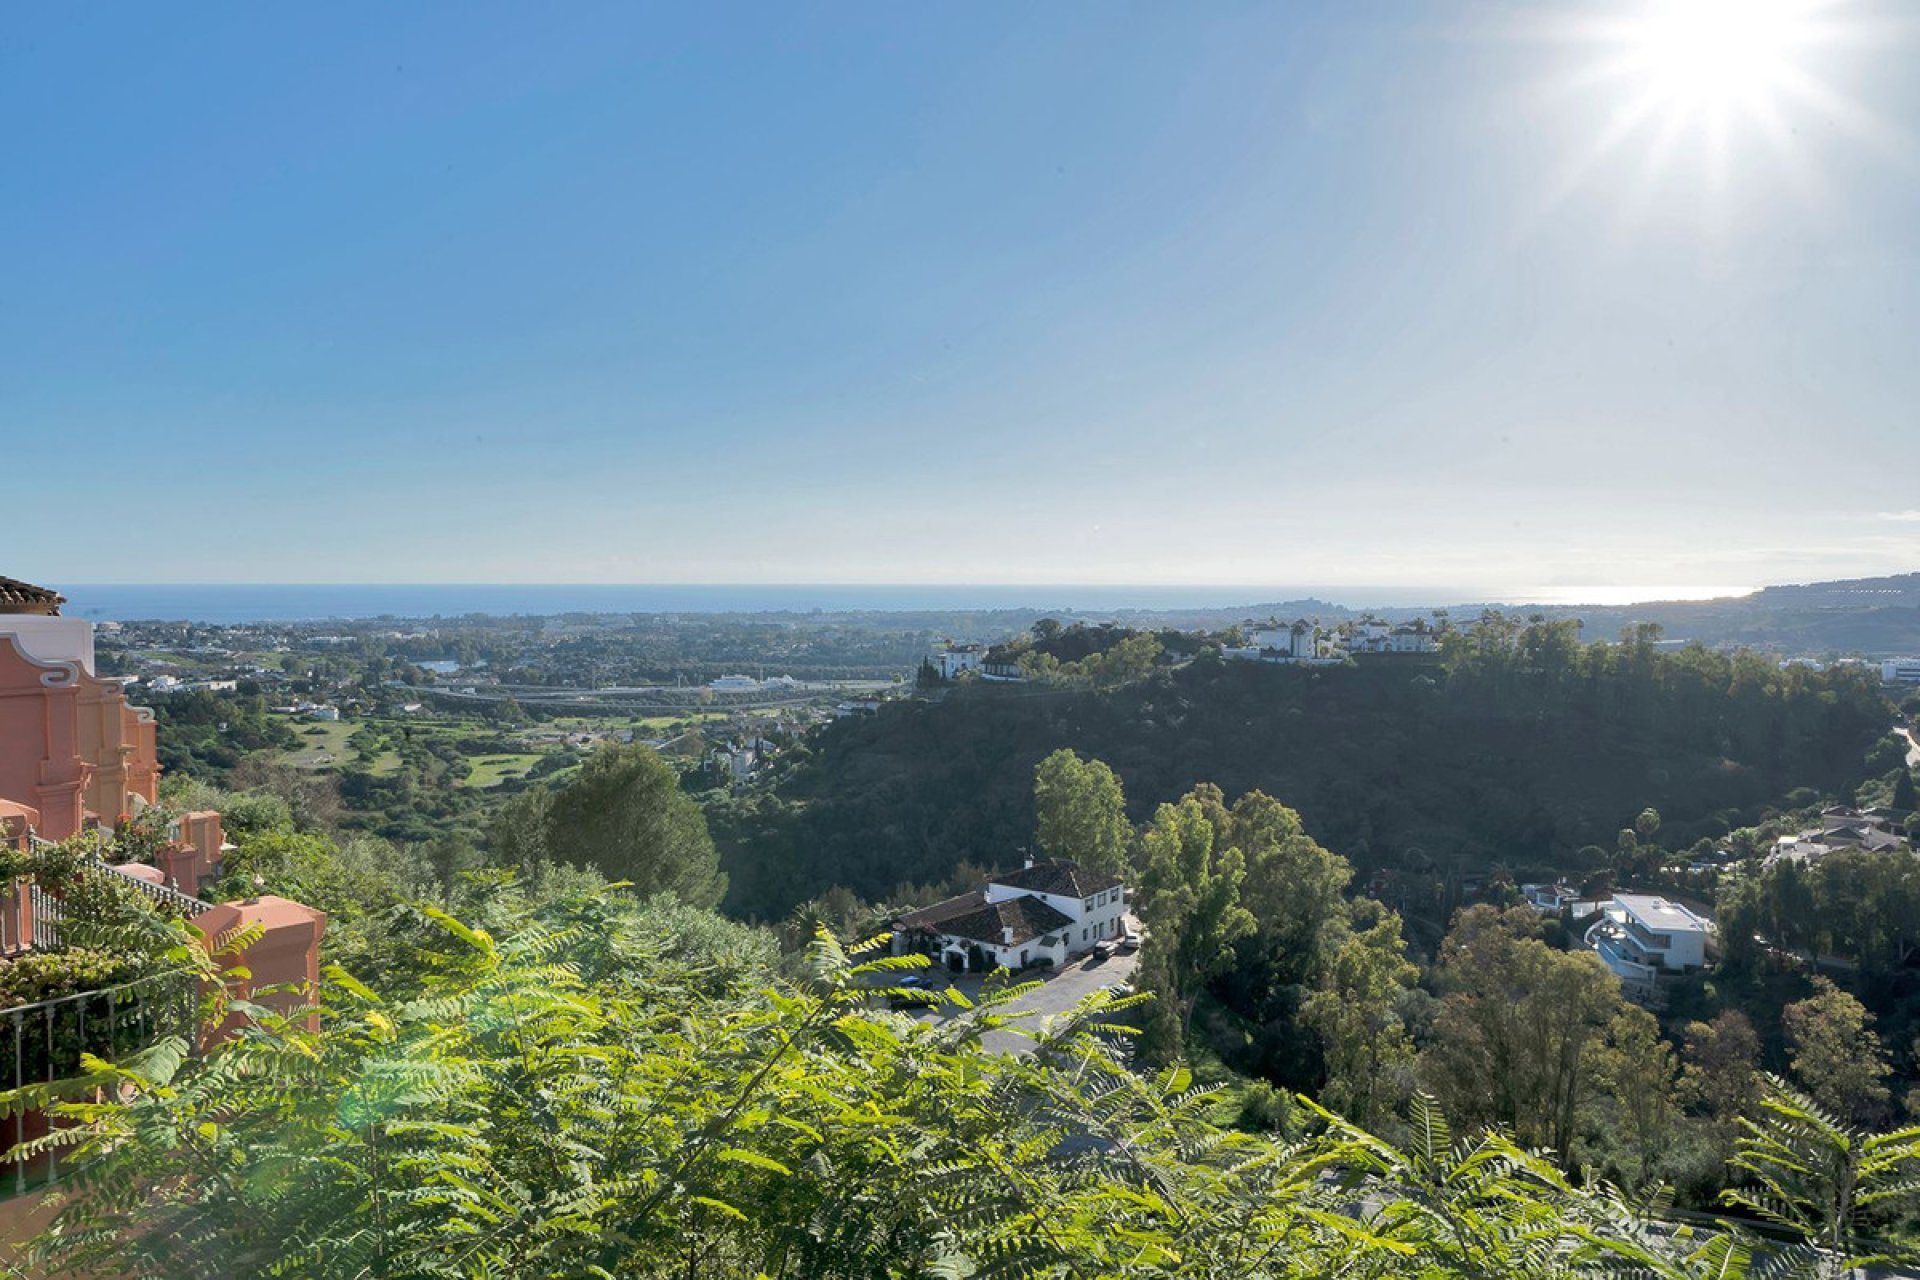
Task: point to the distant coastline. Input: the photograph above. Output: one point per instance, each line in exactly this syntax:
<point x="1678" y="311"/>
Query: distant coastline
<point x="233" y="603"/>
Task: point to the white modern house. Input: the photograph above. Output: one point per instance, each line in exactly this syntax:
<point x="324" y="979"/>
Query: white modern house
<point x="1641" y="936"/>
<point x="1900" y="671"/>
<point x="1549" y="899"/>
<point x="1043" y="913"/>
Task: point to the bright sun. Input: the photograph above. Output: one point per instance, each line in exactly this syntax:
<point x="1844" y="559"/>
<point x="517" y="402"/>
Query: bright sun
<point x="1711" y="54"/>
<point x="1717" y="53"/>
<point x="1698" y="81"/>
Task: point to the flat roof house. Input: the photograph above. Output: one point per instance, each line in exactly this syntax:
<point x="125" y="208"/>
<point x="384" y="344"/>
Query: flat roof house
<point x="1639" y="936"/>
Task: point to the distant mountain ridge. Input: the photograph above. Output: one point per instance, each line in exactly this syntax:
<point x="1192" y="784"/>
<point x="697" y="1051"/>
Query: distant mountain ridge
<point x="1864" y="617"/>
<point x="1900" y="589"/>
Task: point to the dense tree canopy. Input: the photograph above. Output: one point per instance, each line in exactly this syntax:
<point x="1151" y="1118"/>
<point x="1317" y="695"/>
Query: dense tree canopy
<point x="625" y="816"/>
<point x="1080" y="813"/>
<point x="1519" y="746"/>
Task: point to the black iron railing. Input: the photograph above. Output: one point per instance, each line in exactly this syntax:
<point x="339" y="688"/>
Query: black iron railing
<point x="49" y="1037"/>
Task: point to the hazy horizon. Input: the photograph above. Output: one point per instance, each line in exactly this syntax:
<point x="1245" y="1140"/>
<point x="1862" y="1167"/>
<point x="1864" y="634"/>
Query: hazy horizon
<point x="237" y="603"/>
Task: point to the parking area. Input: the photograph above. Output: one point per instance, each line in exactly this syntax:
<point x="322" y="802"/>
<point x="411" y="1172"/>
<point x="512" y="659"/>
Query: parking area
<point x="1060" y="989"/>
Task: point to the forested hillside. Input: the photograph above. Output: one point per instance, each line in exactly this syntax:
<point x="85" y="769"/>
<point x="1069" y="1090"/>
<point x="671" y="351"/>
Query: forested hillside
<point x="1517" y="746"/>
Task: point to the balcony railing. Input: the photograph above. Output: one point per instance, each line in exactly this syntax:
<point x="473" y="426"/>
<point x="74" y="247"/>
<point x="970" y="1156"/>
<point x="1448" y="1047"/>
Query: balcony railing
<point x="49" y="1036"/>
<point x="165" y="895"/>
<point x="31" y="921"/>
<point x="1623" y="965"/>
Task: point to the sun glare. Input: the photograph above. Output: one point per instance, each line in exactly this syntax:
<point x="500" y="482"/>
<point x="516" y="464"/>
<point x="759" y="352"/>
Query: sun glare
<point x="1713" y="53"/>
<point x="1689" y="85"/>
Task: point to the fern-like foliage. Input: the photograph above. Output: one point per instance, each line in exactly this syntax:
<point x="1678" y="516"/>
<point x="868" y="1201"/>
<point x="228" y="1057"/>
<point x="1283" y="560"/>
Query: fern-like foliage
<point x="571" y="1095"/>
<point x="1831" y="1187"/>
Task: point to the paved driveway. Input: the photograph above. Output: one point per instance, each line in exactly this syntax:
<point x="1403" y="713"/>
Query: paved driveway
<point x="1066" y="988"/>
<point x="1058" y="992"/>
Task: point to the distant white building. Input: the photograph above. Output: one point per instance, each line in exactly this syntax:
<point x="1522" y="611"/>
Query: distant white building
<point x="1900" y="671"/>
<point x="1640" y="936"/>
<point x="1549" y="899"/>
<point x="724" y="683"/>
<point x="324" y="713"/>
<point x="1368" y="637"/>
<point x="1412" y="639"/>
<point x="956" y="658"/>
<point x="1297" y="641"/>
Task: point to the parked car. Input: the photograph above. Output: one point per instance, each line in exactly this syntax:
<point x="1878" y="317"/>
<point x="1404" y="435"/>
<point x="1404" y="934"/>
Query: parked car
<point x="914" y="994"/>
<point x="1104" y="948"/>
<point x="1129" y="941"/>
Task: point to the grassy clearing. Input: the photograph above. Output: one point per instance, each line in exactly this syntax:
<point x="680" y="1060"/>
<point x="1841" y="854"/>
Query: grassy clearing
<point x="324" y="749"/>
<point x="323" y="745"/>
<point x="487" y="771"/>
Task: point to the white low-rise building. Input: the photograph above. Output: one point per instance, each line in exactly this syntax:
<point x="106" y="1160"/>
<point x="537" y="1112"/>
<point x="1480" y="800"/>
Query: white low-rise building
<point x="1044" y="913"/>
<point x="956" y="658"/>
<point x="1900" y="671"/>
<point x="1412" y="639"/>
<point x="1549" y="899"/>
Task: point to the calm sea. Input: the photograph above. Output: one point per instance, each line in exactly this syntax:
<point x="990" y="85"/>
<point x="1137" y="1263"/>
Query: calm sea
<point x="235" y="603"/>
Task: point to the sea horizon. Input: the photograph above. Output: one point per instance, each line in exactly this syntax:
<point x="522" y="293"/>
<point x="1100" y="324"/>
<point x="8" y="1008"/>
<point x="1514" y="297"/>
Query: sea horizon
<point x="239" y="603"/>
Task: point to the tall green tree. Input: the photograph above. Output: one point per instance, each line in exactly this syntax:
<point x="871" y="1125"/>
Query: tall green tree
<point x="1722" y="1071"/>
<point x="625" y="815"/>
<point x="1190" y="902"/>
<point x="1520" y="1025"/>
<point x="1835" y="1054"/>
<point x="1641" y="1075"/>
<point x="1357" y="1012"/>
<point x="1080" y="813"/>
<point x="1905" y="795"/>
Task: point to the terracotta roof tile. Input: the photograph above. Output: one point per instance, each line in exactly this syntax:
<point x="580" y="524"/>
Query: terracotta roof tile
<point x="23" y="597"/>
<point x="1067" y="879"/>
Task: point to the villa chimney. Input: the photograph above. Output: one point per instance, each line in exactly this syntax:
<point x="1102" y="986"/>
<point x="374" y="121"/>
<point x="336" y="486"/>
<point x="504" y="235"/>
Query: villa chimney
<point x="1006" y="936"/>
<point x="1028" y="864"/>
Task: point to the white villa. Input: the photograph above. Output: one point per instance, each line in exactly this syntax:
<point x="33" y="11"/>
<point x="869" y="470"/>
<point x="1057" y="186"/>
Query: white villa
<point x="956" y="658"/>
<point x="1044" y="913"/>
<point x="1640" y="936"/>
<point x="1308" y="642"/>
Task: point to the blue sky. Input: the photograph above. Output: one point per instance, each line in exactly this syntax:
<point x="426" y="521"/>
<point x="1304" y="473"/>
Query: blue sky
<point x="1290" y="294"/>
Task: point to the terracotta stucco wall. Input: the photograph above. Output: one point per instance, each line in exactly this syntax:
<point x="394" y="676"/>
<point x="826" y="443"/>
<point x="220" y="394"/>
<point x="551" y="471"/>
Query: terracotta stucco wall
<point x="41" y="764"/>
